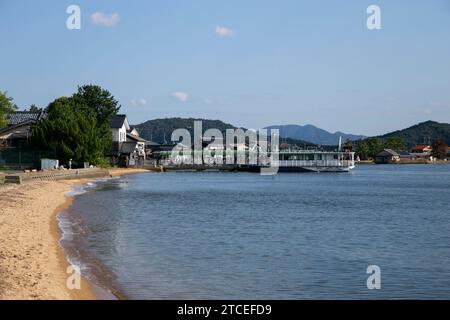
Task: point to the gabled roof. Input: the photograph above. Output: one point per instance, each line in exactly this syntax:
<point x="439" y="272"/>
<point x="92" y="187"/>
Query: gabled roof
<point x="16" y="126"/>
<point x="17" y="131"/>
<point x="387" y="152"/>
<point x="132" y="129"/>
<point x="118" y="121"/>
<point x="19" y="117"/>
<point x="134" y="138"/>
<point x="421" y="147"/>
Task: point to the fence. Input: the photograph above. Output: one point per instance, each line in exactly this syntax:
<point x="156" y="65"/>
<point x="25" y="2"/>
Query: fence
<point x="19" y="159"/>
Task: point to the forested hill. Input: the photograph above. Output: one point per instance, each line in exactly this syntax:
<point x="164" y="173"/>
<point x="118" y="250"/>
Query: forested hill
<point x="422" y="133"/>
<point x="160" y="130"/>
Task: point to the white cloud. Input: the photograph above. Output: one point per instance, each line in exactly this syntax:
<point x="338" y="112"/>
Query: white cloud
<point x="224" y="32"/>
<point x="105" y="20"/>
<point x="137" y="102"/>
<point x="182" y="96"/>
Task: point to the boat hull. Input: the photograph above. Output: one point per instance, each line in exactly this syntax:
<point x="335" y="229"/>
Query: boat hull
<point x="299" y="169"/>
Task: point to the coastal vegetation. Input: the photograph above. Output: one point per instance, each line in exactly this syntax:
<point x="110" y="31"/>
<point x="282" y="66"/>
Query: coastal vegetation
<point x="77" y="127"/>
<point x="369" y="147"/>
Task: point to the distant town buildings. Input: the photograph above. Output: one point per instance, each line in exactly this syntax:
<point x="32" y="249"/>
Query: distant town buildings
<point x="422" y="151"/>
<point x="418" y="154"/>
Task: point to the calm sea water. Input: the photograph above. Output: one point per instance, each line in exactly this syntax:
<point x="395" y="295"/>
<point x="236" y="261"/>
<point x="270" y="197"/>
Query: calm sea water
<point x="242" y="235"/>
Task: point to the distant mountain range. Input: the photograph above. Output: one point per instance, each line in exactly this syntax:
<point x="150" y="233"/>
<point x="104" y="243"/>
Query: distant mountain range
<point x="313" y="134"/>
<point x="422" y="133"/>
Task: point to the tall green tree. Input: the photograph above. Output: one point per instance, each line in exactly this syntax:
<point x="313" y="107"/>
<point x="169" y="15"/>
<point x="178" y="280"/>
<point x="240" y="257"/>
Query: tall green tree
<point x="100" y="101"/>
<point x="104" y="106"/>
<point x="7" y="106"/>
<point x="394" y="143"/>
<point x="375" y="145"/>
<point x="362" y="150"/>
<point x="369" y="147"/>
<point x="70" y="130"/>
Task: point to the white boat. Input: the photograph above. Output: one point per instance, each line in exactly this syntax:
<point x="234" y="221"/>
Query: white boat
<point x="313" y="161"/>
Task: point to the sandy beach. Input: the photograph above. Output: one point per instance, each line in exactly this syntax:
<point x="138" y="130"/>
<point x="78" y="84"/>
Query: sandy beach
<point x="32" y="263"/>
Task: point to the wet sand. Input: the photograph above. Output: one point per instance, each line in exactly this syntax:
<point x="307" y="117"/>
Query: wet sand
<point x="33" y="265"/>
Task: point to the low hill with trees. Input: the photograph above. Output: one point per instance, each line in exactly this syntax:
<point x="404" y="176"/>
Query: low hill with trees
<point x="423" y="133"/>
<point x="160" y="130"/>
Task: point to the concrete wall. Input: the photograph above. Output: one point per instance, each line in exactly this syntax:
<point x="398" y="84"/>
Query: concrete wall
<point x="56" y="175"/>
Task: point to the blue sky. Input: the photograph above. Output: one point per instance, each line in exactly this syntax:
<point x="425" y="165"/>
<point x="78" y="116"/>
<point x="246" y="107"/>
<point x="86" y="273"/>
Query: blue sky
<point x="250" y="63"/>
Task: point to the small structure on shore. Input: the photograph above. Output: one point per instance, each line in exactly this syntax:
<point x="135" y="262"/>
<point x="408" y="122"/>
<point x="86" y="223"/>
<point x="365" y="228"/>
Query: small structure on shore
<point x="422" y="151"/>
<point x="128" y="149"/>
<point x="387" y="156"/>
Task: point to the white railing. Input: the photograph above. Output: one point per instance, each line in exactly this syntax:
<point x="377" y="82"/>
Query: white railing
<point x="313" y="163"/>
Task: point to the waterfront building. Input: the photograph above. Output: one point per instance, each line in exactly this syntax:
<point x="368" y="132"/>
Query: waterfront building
<point x="387" y="156"/>
<point x="19" y="129"/>
<point x="422" y="151"/>
<point x="128" y="149"/>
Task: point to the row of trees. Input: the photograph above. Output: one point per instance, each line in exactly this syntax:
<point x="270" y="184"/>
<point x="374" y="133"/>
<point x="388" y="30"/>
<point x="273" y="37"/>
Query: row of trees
<point x="77" y="127"/>
<point x="369" y="147"/>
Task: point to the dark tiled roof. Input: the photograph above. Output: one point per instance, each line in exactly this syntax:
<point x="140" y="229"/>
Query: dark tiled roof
<point x="387" y="152"/>
<point x="19" y="117"/>
<point x="12" y="128"/>
<point x="117" y="121"/>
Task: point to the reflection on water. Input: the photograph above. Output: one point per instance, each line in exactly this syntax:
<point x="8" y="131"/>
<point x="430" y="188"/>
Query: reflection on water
<point x="242" y="235"/>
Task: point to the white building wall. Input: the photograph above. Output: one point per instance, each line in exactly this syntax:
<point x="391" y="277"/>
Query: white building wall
<point x="120" y="135"/>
